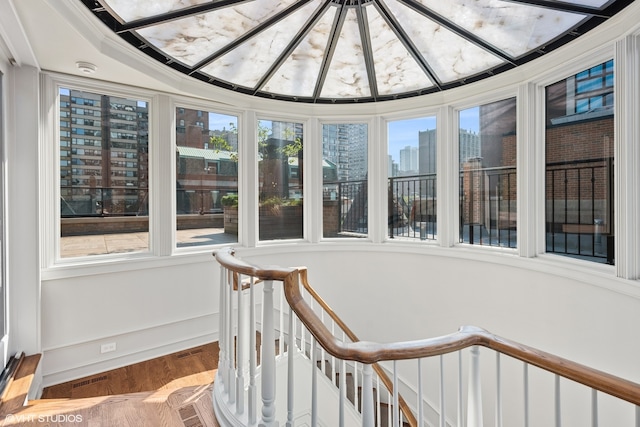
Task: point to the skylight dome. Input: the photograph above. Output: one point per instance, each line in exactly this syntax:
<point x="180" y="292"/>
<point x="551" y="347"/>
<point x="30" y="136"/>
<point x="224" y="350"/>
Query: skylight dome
<point x="348" y="50"/>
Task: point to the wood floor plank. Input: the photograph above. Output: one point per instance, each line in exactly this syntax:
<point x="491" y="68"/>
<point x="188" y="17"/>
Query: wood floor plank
<point x="162" y="408"/>
<point x="194" y="366"/>
<point x="170" y="391"/>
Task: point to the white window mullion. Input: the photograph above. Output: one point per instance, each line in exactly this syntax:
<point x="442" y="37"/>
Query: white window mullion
<point x="526" y="162"/>
<point x="162" y="206"/>
<point x="627" y="156"/>
<point x="447" y="177"/>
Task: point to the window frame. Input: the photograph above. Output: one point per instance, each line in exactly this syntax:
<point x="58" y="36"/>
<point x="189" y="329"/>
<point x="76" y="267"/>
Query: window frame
<point x="318" y="191"/>
<point x="252" y="203"/>
<point x="50" y="149"/>
<point x="182" y="103"/>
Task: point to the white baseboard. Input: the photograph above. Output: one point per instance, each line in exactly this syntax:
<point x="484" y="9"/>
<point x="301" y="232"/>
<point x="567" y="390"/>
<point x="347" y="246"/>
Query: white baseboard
<point x="78" y="360"/>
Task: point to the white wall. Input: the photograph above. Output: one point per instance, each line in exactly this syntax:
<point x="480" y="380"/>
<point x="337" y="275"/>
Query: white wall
<point x="388" y="293"/>
<point x="149" y="311"/>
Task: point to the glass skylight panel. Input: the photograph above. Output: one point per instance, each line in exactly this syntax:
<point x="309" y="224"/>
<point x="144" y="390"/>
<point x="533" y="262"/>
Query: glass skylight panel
<point x="132" y="10"/>
<point x="347" y="76"/>
<point x="512" y="27"/>
<point x="299" y="73"/>
<point x="194" y="38"/>
<point x="248" y="63"/>
<point x="450" y="56"/>
<point x="396" y="70"/>
<point x="421" y="46"/>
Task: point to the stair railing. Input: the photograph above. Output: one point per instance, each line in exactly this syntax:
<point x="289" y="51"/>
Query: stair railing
<point x="231" y="384"/>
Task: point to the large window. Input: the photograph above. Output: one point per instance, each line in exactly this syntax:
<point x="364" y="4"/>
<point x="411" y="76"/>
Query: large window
<point x="280" y="182"/>
<point x="206" y="178"/>
<point x="579" y="165"/>
<point x="412" y="179"/>
<point x="488" y="199"/>
<point x="344" y="180"/>
<point x="104" y="181"/>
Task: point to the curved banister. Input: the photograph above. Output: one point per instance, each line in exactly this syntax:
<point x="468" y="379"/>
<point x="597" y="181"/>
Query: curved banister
<point x="386" y="381"/>
<point x="466" y="336"/>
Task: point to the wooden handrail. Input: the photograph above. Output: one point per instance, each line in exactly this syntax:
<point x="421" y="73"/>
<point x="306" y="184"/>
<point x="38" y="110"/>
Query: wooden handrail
<point x="386" y="381"/>
<point x="467" y="336"/>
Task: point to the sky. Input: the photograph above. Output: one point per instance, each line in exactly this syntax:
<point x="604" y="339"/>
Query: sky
<point x="401" y="132"/>
<point x="405" y="132"/>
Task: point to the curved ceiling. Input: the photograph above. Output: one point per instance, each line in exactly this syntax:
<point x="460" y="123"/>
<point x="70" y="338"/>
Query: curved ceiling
<point x="327" y="51"/>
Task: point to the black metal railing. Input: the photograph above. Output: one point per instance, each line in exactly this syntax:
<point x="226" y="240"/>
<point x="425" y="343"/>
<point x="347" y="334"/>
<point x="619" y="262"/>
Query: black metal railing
<point x="76" y="202"/>
<point x="203" y="200"/>
<point x="579" y="211"/>
<point x="351" y="207"/>
<point x="412" y="207"/>
<point x="103" y="201"/>
<point x="488" y="198"/>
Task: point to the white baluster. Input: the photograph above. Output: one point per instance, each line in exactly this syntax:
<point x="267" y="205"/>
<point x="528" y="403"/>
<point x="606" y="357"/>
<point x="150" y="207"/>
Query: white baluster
<point x="367" y="396"/>
<point x="594" y="407"/>
<point x="389" y="411"/>
<point x="474" y="404"/>
<point x="442" y="403"/>
<point x="343" y="391"/>
<point x="378" y="416"/>
<point x="303" y="333"/>
<point x="355" y="385"/>
<point x="334" y="374"/>
<point x="498" y="391"/>
<point x="290" y="379"/>
<point x="281" y="325"/>
<point x="252" y="394"/>
<point x="268" y="359"/>
<point x="637" y="416"/>
<point x="460" y="414"/>
<point x="323" y="363"/>
<point x="231" y="346"/>
<point x="222" y="368"/>
<point x="240" y="345"/>
<point x="314" y="384"/>
<point x="420" y="396"/>
<point x="526" y="395"/>
<point x="558" y="410"/>
<point x="396" y="411"/>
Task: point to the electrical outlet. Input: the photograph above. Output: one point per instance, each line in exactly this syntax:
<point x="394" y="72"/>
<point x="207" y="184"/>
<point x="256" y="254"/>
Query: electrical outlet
<point x="106" y="348"/>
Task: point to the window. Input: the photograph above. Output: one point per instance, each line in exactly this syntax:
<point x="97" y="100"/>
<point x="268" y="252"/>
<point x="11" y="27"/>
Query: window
<point x="412" y="179"/>
<point x="579" y="165"/>
<point x="280" y="180"/>
<point x="94" y="200"/>
<point x="488" y="198"/>
<point x="593" y="88"/>
<point x="206" y="178"/>
<point x="344" y="180"/>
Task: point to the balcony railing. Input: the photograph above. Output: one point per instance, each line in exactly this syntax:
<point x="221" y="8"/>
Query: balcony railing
<point x="352" y="205"/>
<point x="103" y="201"/>
<point x="579" y="209"/>
<point x="488" y="198"/>
<point x="412" y="207"/>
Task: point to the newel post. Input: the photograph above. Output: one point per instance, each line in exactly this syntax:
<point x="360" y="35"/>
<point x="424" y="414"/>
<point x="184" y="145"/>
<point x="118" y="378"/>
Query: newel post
<point x="474" y="404"/>
<point x="268" y="359"/>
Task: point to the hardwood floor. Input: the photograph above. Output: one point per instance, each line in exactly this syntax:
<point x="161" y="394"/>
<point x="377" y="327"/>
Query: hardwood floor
<point x="170" y="391"/>
<point x="195" y="366"/>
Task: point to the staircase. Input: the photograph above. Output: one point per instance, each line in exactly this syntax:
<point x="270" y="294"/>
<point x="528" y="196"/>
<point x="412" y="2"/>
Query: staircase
<point x="443" y="381"/>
